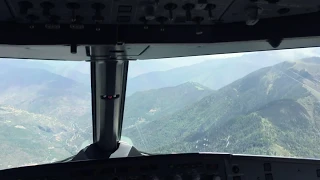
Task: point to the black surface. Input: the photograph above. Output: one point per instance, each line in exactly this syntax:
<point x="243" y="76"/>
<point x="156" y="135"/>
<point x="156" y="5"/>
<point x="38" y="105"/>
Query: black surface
<point x="171" y="167"/>
<point x="284" y="27"/>
<point x="162" y="166"/>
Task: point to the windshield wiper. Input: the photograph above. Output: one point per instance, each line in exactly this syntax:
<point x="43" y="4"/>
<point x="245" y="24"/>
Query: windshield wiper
<point x="65" y="160"/>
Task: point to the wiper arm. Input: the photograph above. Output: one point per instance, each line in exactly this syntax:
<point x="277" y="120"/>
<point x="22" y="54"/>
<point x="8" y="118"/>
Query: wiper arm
<point x="72" y="157"/>
<point x="65" y="160"/>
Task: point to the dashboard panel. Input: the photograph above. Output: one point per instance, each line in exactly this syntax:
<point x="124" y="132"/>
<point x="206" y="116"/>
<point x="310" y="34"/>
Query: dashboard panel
<point x="83" y="22"/>
<point x="148" y="11"/>
<point x="66" y="29"/>
<point x="116" y="11"/>
<point x="197" y="166"/>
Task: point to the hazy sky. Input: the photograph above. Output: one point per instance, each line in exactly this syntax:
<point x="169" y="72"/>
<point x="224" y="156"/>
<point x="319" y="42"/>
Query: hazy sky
<point x="283" y="55"/>
<point x="144" y="66"/>
<point x="186" y="61"/>
<point x="288" y="54"/>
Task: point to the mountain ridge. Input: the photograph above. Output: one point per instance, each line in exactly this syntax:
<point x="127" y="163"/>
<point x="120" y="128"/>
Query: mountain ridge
<point x="253" y="103"/>
<point x="210" y="73"/>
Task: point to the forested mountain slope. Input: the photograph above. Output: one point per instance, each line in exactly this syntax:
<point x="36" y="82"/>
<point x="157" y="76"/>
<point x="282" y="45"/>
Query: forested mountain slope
<point x="272" y="111"/>
<point x="149" y="105"/>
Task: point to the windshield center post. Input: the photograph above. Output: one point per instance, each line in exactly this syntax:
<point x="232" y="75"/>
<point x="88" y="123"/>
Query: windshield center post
<point x="108" y="89"/>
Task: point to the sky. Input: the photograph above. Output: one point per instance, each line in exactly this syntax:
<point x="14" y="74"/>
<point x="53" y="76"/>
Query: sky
<point x="164" y="64"/>
<point x="144" y="66"/>
<point x="187" y="61"/>
<point x="287" y="54"/>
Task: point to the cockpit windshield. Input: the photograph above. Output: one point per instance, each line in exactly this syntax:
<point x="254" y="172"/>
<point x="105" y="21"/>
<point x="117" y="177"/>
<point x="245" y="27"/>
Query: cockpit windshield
<point x="45" y="111"/>
<point x="258" y="103"/>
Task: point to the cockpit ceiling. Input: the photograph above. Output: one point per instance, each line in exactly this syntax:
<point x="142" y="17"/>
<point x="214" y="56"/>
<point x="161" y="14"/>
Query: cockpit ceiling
<point x="148" y="51"/>
<point x="149" y="29"/>
<point x="82" y="12"/>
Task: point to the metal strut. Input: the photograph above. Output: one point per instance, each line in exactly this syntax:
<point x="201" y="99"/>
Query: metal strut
<point x="109" y="69"/>
<point x="109" y="86"/>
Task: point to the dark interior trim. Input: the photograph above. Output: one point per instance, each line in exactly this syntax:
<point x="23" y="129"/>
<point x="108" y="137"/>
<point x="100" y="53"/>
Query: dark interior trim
<point x="280" y="27"/>
<point x="93" y="100"/>
<point x="123" y="97"/>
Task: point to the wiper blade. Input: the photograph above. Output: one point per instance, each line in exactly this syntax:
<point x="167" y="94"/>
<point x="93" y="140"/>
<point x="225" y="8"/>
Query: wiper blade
<point x="147" y="154"/>
<point x="65" y="160"/>
<point x="71" y="157"/>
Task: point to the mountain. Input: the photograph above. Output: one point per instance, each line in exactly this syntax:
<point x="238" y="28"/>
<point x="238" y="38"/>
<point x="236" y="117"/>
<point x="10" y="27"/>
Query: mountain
<point x="44" y="116"/>
<point x="29" y="138"/>
<point x="272" y="111"/>
<point x="275" y="110"/>
<point x="214" y="73"/>
<point x="139" y="67"/>
<point x="40" y="91"/>
<point x="45" y="111"/>
<point x="145" y="106"/>
<point x="76" y="70"/>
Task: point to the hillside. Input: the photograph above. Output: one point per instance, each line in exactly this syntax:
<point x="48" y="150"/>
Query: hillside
<point x="77" y="71"/>
<point x="214" y="73"/>
<point x="40" y="91"/>
<point x="272" y="111"/>
<point x="43" y="116"/>
<point x="139" y="67"/>
<point x="145" y="106"/>
<point x="29" y="138"/>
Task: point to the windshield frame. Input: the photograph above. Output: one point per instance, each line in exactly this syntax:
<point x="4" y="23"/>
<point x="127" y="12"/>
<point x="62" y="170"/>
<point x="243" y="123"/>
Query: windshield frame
<point x="108" y="90"/>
